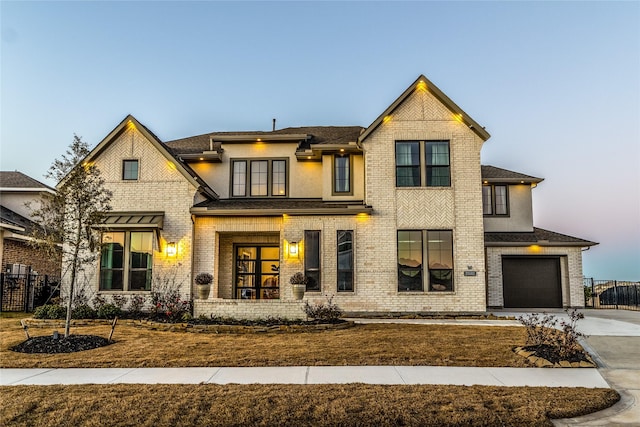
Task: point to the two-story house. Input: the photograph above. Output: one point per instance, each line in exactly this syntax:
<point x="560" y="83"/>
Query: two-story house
<point x="395" y="217"/>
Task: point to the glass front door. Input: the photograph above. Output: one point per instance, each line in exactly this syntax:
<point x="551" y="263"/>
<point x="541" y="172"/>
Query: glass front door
<point x="257" y="272"/>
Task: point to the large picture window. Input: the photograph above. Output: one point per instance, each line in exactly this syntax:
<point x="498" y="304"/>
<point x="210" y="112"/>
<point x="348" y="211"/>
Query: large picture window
<point x="412" y="252"/>
<point x="259" y="178"/>
<point x="433" y="167"/>
<point x="312" y="259"/>
<point x="126" y="261"/>
<point x="345" y="260"/>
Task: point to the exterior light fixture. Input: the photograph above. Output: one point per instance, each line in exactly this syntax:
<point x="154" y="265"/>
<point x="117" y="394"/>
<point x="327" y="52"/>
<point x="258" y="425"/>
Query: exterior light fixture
<point x="293" y="249"/>
<point x="172" y="250"/>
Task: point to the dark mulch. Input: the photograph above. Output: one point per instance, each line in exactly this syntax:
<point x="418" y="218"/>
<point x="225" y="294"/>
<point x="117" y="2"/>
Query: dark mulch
<point x="51" y="345"/>
<point x="551" y="354"/>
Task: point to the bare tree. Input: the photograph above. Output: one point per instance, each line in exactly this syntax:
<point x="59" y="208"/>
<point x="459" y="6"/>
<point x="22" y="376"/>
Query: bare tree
<point x="71" y="215"/>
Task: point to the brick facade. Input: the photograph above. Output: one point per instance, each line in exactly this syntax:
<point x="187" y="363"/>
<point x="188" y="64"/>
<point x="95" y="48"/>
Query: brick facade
<point x="19" y="252"/>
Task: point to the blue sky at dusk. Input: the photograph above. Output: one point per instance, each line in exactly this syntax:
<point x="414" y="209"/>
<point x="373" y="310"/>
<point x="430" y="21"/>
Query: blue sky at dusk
<point x="557" y="84"/>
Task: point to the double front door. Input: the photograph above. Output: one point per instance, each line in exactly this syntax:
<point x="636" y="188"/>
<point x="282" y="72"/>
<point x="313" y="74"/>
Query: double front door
<point x="257" y="272"/>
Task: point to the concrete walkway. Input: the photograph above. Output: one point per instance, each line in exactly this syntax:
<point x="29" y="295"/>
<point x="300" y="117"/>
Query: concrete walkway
<point x="508" y="377"/>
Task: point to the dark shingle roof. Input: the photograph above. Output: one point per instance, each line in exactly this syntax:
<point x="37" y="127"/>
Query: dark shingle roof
<point x="262" y="207"/>
<point x="492" y="173"/>
<point x="537" y="236"/>
<point x="7" y="216"/>
<point x="319" y="135"/>
<point x="15" y="179"/>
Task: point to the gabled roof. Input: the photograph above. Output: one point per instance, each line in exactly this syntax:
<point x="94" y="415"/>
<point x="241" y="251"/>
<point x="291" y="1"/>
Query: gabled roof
<point x="423" y="83"/>
<point x="182" y="167"/>
<point x="538" y="236"/>
<point x="494" y="174"/>
<point x="306" y="136"/>
<point x="14" y="180"/>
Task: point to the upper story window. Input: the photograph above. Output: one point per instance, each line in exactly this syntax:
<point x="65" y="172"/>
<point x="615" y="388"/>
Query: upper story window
<point x="495" y="200"/>
<point x="130" y="170"/>
<point x="342" y="174"/>
<point x="259" y="178"/>
<point x="431" y="167"/>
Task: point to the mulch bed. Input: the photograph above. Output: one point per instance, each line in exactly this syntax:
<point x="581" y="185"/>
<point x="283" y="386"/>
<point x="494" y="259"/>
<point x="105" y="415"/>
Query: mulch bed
<point x="71" y="344"/>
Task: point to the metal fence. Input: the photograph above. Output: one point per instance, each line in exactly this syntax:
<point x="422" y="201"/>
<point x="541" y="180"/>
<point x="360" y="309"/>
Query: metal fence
<point x="612" y="294"/>
<point x="24" y="292"/>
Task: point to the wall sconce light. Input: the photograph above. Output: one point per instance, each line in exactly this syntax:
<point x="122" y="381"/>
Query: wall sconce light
<point x="171" y="249"/>
<point x="293" y="249"/>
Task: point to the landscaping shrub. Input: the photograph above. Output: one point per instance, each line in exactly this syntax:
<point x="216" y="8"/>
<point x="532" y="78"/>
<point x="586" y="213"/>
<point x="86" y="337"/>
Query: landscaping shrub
<point x="326" y="312"/>
<point x="50" y="311"/>
<point x="84" y="311"/>
<point x="136" y="304"/>
<point x="109" y="311"/>
<point x="119" y="300"/>
<point x="541" y="332"/>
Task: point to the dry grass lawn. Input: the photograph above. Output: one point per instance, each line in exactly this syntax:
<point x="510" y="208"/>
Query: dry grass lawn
<point x="294" y="405"/>
<point x="374" y="344"/>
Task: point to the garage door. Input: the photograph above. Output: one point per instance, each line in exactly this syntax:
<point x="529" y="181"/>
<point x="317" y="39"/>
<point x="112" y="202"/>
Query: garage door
<point x="531" y="282"/>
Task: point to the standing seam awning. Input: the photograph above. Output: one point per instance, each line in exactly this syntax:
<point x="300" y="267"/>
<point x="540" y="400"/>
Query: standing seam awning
<point x="134" y="220"/>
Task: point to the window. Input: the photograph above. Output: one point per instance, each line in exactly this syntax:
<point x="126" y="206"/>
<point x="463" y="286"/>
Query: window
<point x="440" y="255"/>
<point x="259" y="174"/>
<point x="342" y="174"/>
<point x="411" y="253"/>
<point x="407" y="164"/>
<point x="436" y="171"/>
<point x="239" y="178"/>
<point x="129" y="170"/>
<point x="495" y="200"/>
<point x="410" y="260"/>
<point x="126" y="261"/>
<point x="264" y="178"/>
<point x="312" y="259"/>
<point x="257" y="272"/>
<point x="345" y="260"/>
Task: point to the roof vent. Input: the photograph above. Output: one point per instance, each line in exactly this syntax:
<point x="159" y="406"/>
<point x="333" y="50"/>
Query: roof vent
<point x="274" y="126"/>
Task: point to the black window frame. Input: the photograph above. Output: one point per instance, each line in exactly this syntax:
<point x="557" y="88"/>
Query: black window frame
<point x="345" y="273"/>
<point x="127" y="271"/>
<point x="423" y="171"/>
<point x="493" y="207"/>
<point x="126" y="170"/>
<point x="414" y="278"/>
<point x="414" y="168"/>
<point x="312" y="260"/>
<point x="248" y="177"/>
<point x="349" y="175"/>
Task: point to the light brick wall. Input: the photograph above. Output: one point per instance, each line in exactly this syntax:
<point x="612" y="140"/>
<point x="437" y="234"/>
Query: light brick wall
<point x="249" y="309"/>
<point x="160" y="187"/>
<point x="570" y="272"/>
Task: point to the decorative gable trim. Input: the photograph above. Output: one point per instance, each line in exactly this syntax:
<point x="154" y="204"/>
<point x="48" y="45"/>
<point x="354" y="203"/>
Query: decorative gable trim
<point x="422" y="83"/>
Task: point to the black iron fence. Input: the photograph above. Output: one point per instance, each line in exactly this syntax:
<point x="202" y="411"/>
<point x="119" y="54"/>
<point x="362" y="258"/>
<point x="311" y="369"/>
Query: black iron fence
<point x="616" y="294"/>
<point x="24" y="292"/>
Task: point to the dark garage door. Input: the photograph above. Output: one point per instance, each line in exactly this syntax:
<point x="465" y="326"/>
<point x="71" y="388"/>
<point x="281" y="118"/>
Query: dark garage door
<point x="531" y="282"/>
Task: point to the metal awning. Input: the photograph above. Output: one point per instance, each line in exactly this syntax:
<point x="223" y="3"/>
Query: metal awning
<point x="134" y="220"/>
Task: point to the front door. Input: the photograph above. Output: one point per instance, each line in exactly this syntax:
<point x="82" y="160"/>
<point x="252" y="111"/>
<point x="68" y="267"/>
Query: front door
<point x="257" y="272"/>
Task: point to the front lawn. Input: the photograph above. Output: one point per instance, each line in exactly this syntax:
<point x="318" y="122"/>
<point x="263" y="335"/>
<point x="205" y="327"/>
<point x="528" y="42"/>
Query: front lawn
<point x="295" y="405"/>
<point x="373" y="344"/>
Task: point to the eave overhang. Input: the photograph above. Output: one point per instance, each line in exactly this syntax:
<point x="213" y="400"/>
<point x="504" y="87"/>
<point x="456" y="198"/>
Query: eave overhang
<point x="256" y="212"/>
<point x="205" y="156"/>
<point x="318" y="150"/>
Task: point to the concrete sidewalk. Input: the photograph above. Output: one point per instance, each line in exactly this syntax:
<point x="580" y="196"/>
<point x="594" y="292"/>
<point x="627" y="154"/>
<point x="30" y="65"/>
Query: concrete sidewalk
<point x="509" y="377"/>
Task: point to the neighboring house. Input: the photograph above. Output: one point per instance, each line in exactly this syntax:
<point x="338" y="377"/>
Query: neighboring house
<point x="17" y="257"/>
<point x="396" y="217"/>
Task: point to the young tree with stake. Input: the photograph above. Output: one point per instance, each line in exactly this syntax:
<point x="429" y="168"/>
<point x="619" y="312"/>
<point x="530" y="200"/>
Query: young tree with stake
<point x="71" y="215"/>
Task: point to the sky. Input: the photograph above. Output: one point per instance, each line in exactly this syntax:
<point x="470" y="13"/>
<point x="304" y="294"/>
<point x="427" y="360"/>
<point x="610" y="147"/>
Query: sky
<point x="556" y="84"/>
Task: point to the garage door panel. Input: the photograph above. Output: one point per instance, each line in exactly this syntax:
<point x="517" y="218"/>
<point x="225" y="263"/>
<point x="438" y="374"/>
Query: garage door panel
<point x="531" y="282"/>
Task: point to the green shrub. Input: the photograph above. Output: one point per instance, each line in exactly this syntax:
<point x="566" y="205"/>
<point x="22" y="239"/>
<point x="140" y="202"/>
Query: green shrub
<point x="50" y="311"/>
<point x="84" y="311"/>
<point x="109" y="311"/>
